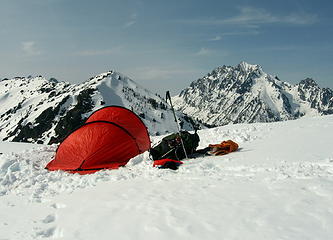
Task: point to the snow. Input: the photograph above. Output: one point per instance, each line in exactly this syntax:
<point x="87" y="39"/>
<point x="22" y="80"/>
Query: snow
<point x="279" y="185"/>
<point x="248" y="67"/>
<point x="24" y="100"/>
<point x="9" y="147"/>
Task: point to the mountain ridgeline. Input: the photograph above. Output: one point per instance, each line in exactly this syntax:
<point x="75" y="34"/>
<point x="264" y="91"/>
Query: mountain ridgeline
<point x="246" y="94"/>
<point x="37" y="110"/>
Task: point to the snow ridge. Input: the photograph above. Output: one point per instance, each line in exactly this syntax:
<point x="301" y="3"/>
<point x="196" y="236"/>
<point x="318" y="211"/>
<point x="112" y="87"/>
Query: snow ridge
<point x="36" y="110"/>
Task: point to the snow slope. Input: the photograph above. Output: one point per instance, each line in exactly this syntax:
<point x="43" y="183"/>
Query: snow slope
<point x="37" y="110"/>
<point x="279" y="185"/>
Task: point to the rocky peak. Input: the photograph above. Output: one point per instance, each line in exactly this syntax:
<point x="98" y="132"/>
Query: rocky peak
<point x="246" y="67"/>
<point x="308" y="82"/>
<point x="245" y="93"/>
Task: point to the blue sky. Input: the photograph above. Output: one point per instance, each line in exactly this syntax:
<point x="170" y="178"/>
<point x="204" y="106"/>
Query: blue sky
<point x="165" y="44"/>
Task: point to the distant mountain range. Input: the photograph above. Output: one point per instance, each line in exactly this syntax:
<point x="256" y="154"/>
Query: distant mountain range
<point x="34" y="109"/>
<point x="246" y="94"/>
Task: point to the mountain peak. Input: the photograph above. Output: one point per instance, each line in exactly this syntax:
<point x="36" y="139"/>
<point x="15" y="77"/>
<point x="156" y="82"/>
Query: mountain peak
<point x="308" y="82"/>
<point x="247" y="67"/>
<point x="245" y="93"/>
<point x="110" y="76"/>
<point x="43" y="111"/>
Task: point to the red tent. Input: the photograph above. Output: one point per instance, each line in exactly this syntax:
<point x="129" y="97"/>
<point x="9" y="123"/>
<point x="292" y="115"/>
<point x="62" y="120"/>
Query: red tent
<point x="109" y="139"/>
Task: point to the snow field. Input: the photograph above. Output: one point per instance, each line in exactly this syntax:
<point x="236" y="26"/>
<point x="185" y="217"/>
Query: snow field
<point x="279" y="185"/>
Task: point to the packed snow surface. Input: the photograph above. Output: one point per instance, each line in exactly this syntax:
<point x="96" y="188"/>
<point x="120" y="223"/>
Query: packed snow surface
<point x="9" y="147"/>
<point x="279" y="185"/>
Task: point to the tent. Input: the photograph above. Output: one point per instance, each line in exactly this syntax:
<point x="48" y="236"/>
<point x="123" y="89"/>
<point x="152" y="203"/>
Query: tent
<point x="110" y="137"/>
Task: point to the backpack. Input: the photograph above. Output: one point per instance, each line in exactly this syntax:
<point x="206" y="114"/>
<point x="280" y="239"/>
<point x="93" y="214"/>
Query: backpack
<point x="171" y="146"/>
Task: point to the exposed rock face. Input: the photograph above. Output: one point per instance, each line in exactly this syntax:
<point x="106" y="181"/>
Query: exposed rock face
<point x="34" y="109"/>
<point x="246" y="94"/>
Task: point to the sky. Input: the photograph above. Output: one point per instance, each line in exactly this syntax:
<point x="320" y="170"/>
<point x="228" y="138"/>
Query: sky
<point x="165" y="45"/>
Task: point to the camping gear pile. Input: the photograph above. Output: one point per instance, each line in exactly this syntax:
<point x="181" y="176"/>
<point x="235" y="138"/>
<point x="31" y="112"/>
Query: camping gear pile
<point x="177" y="146"/>
<point x="171" y="146"/>
<point x="223" y="148"/>
<point x="169" y="152"/>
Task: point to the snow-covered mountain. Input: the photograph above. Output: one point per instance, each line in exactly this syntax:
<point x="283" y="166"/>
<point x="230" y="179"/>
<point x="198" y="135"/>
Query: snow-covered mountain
<point x="34" y="109"/>
<point x="246" y="94"/>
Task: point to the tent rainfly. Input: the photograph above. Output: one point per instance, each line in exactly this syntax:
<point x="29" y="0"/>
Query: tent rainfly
<point x="110" y="137"/>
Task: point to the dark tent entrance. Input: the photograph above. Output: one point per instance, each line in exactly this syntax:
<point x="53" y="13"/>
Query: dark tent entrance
<point x="110" y="137"/>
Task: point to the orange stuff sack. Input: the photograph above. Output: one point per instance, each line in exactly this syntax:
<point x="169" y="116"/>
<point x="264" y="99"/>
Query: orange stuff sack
<point x="223" y="148"/>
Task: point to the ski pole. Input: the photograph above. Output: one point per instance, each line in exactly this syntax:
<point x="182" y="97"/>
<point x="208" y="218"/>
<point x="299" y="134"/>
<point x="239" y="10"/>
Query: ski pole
<point x="176" y="120"/>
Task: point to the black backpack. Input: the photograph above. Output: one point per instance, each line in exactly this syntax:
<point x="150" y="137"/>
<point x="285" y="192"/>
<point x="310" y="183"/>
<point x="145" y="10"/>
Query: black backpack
<point x="171" y="146"/>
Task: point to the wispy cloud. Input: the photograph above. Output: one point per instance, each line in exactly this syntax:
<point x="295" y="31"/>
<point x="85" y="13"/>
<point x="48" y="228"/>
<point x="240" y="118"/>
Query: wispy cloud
<point x="252" y="17"/>
<point x="278" y="48"/>
<point x="100" y="52"/>
<point x="95" y="52"/>
<point x="234" y="33"/>
<point x="160" y="73"/>
<point x="30" y="48"/>
<point x="216" y="38"/>
<point x="159" y="78"/>
<point x="204" y="52"/>
<point x="132" y="20"/>
<point x="237" y="33"/>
